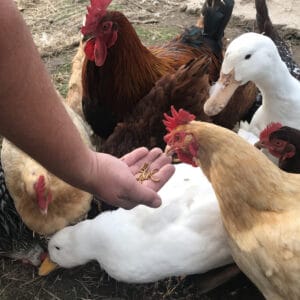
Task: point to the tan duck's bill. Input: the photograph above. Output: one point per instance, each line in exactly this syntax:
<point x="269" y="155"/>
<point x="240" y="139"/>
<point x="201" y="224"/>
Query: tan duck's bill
<point x="221" y="93"/>
<point x="47" y="267"/>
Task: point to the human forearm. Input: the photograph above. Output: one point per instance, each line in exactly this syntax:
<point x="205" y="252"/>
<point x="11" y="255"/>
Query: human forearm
<point x="31" y="114"/>
<point x="34" y="119"/>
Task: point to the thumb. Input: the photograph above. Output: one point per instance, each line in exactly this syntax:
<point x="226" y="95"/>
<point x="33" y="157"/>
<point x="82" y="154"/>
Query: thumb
<point x="144" y="195"/>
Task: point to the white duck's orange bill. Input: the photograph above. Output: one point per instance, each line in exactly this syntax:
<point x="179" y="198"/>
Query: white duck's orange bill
<point x="47" y="267"/>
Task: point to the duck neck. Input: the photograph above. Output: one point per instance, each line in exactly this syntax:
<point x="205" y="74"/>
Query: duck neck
<point x="98" y="239"/>
<point x="87" y="240"/>
<point x="275" y="84"/>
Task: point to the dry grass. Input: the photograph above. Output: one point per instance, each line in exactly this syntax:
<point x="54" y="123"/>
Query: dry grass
<point x="89" y="282"/>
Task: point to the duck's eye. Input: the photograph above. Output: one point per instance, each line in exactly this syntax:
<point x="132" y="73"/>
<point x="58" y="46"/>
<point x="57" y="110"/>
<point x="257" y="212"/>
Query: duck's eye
<point x="57" y="248"/>
<point x="247" y="56"/>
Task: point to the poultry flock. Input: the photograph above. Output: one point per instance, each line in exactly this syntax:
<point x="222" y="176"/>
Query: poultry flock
<point x="123" y="89"/>
<point x="116" y="86"/>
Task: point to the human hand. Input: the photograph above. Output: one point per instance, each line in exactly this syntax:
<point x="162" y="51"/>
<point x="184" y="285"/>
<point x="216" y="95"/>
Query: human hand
<point x="155" y="160"/>
<point x="119" y="186"/>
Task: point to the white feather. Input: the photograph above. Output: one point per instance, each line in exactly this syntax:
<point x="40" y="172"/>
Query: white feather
<point x="280" y="90"/>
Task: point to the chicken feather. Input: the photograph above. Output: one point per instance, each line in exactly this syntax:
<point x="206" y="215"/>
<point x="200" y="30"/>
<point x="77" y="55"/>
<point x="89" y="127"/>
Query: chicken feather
<point x="27" y="182"/>
<point x="259" y="204"/>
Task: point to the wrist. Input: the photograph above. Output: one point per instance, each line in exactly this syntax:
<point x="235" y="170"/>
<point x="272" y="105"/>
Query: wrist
<point x="89" y="172"/>
<point x="96" y="175"/>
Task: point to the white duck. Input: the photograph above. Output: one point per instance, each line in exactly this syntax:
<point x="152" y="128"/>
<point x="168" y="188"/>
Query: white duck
<point x="184" y="236"/>
<point x="254" y="57"/>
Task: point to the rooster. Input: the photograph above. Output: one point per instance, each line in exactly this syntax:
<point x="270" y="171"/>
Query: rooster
<point x="259" y="202"/>
<point x="119" y="70"/>
<point x="282" y="142"/>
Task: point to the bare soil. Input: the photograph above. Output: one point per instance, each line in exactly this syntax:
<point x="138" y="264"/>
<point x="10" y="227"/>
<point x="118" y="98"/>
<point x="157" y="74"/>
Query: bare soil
<point x="55" y="28"/>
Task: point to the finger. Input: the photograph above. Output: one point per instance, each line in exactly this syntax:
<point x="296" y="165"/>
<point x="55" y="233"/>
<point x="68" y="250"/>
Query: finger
<point x="127" y="204"/>
<point x="122" y="202"/>
<point x="162" y="176"/>
<point x="153" y="155"/>
<point x="161" y="161"/>
<point x="141" y="194"/>
<point x="132" y="157"/>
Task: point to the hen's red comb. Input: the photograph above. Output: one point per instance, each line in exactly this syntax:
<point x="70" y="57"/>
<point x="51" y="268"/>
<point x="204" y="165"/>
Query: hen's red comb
<point x="178" y="118"/>
<point x="96" y="11"/>
<point x="42" y="199"/>
<point x="39" y="186"/>
<point x="269" y="129"/>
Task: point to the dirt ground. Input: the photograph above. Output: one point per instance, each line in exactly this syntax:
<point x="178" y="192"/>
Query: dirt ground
<point x="283" y="13"/>
<point x="55" y="27"/>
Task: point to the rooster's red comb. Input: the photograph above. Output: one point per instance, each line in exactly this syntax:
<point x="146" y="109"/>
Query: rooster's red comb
<point x="96" y="11"/>
<point x="178" y="118"/>
<point x="264" y="135"/>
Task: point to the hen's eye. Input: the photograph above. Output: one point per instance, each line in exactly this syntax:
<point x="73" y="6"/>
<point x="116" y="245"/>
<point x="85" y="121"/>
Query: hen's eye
<point x="176" y="138"/>
<point x="57" y="248"/>
<point x="247" y="56"/>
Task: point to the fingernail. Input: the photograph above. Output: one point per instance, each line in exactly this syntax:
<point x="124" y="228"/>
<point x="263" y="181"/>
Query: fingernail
<point x="156" y="203"/>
